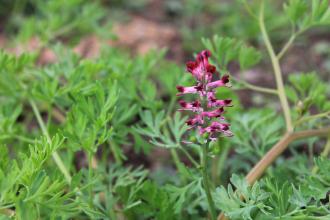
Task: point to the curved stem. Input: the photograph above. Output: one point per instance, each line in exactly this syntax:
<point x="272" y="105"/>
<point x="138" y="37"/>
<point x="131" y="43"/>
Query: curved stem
<point x="258" y="170"/>
<point x="277" y="71"/>
<point x="55" y="155"/>
<point x="206" y="182"/>
<point x="278" y="148"/>
<point x="256" y="88"/>
<point x="286" y="46"/>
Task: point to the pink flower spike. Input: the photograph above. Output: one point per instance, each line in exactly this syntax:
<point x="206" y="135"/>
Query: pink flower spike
<point x="206" y="104"/>
<point x="222" y="82"/>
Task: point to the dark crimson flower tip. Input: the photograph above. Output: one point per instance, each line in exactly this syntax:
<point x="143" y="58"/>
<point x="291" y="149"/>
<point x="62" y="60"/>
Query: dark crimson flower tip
<point x="225" y="79"/>
<point x="206" y="53"/>
<point x="180" y="88"/>
<point x="211" y="69"/>
<point x="183" y="103"/>
<point x="196" y="104"/>
<point x="189" y="122"/>
<point x="228" y="101"/>
<point x="199" y="87"/>
<point x="225" y="127"/>
<point x="191" y="65"/>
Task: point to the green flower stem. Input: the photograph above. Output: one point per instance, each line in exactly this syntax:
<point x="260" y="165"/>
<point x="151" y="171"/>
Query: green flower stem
<point x="90" y="176"/>
<point x="55" y="155"/>
<point x="277" y="71"/>
<point x="221" y="163"/>
<point x="206" y="182"/>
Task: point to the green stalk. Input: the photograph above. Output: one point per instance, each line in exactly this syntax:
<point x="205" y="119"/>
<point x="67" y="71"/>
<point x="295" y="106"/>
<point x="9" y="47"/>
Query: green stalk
<point x="90" y="176"/>
<point x="176" y="160"/>
<point x="206" y="182"/>
<point x="221" y="162"/>
<point x="55" y="155"/>
<point x="277" y="71"/>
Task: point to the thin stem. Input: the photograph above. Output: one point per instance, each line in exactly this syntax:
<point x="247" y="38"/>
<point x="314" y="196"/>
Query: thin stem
<point x="324" y="154"/>
<point x="206" y="182"/>
<point x="312" y="117"/>
<point x="248" y="9"/>
<point x="258" y="170"/>
<point x="55" y="155"/>
<point x="192" y="160"/>
<point x="286" y="46"/>
<point x="18" y="137"/>
<point x="90" y="177"/>
<point x="176" y="159"/>
<point x="222" y="161"/>
<point x="290" y="42"/>
<point x="256" y="88"/>
<point x="277" y="71"/>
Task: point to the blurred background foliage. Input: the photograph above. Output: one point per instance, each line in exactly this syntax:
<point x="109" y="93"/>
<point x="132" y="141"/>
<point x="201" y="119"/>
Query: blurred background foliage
<point x="103" y="76"/>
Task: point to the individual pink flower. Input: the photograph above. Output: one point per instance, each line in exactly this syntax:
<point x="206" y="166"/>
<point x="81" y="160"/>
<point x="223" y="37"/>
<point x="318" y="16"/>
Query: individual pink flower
<point x="208" y="110"/>
<point x="193" y="106"/>
<point x="222" y="82"/>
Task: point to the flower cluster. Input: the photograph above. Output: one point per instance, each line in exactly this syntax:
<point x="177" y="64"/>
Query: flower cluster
<point x="208" y="110"/>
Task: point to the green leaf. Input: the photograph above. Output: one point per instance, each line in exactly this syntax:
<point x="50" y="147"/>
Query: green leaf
<point x="248" y="57"/>
<point x="295" y="9"/>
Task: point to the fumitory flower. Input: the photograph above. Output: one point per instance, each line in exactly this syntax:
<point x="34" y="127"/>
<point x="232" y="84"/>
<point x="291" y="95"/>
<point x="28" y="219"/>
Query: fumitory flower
<point x="207" y="109"/>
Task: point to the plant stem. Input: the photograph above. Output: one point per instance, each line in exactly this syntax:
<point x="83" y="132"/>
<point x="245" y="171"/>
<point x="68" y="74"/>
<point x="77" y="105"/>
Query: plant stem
<point x="90" y="176"/>
<point x="286" y="46"/>
<point x="276" y="150"/>
<point x="192" y="160"/>
<point x="206" y="182"/>
<point x="55" y="156"/>
<point x="176" y="159"/>
<point x="277" y="71"/>
<point x="256" y="88"/>
<point x="18" y="137"/>
<point x="311" y="117"/>
<point x="222" y="161"/>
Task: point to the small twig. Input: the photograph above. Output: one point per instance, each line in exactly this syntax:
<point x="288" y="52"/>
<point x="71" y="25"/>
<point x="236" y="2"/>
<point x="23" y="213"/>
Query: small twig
<point x="255" y="88"/>
<point x="277" y="71"/>
<point x="286" y="46"/>
<point x="311" y="117"/>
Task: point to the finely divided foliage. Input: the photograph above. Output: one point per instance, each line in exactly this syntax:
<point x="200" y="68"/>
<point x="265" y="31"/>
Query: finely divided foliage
<point x="112" y="138"/>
